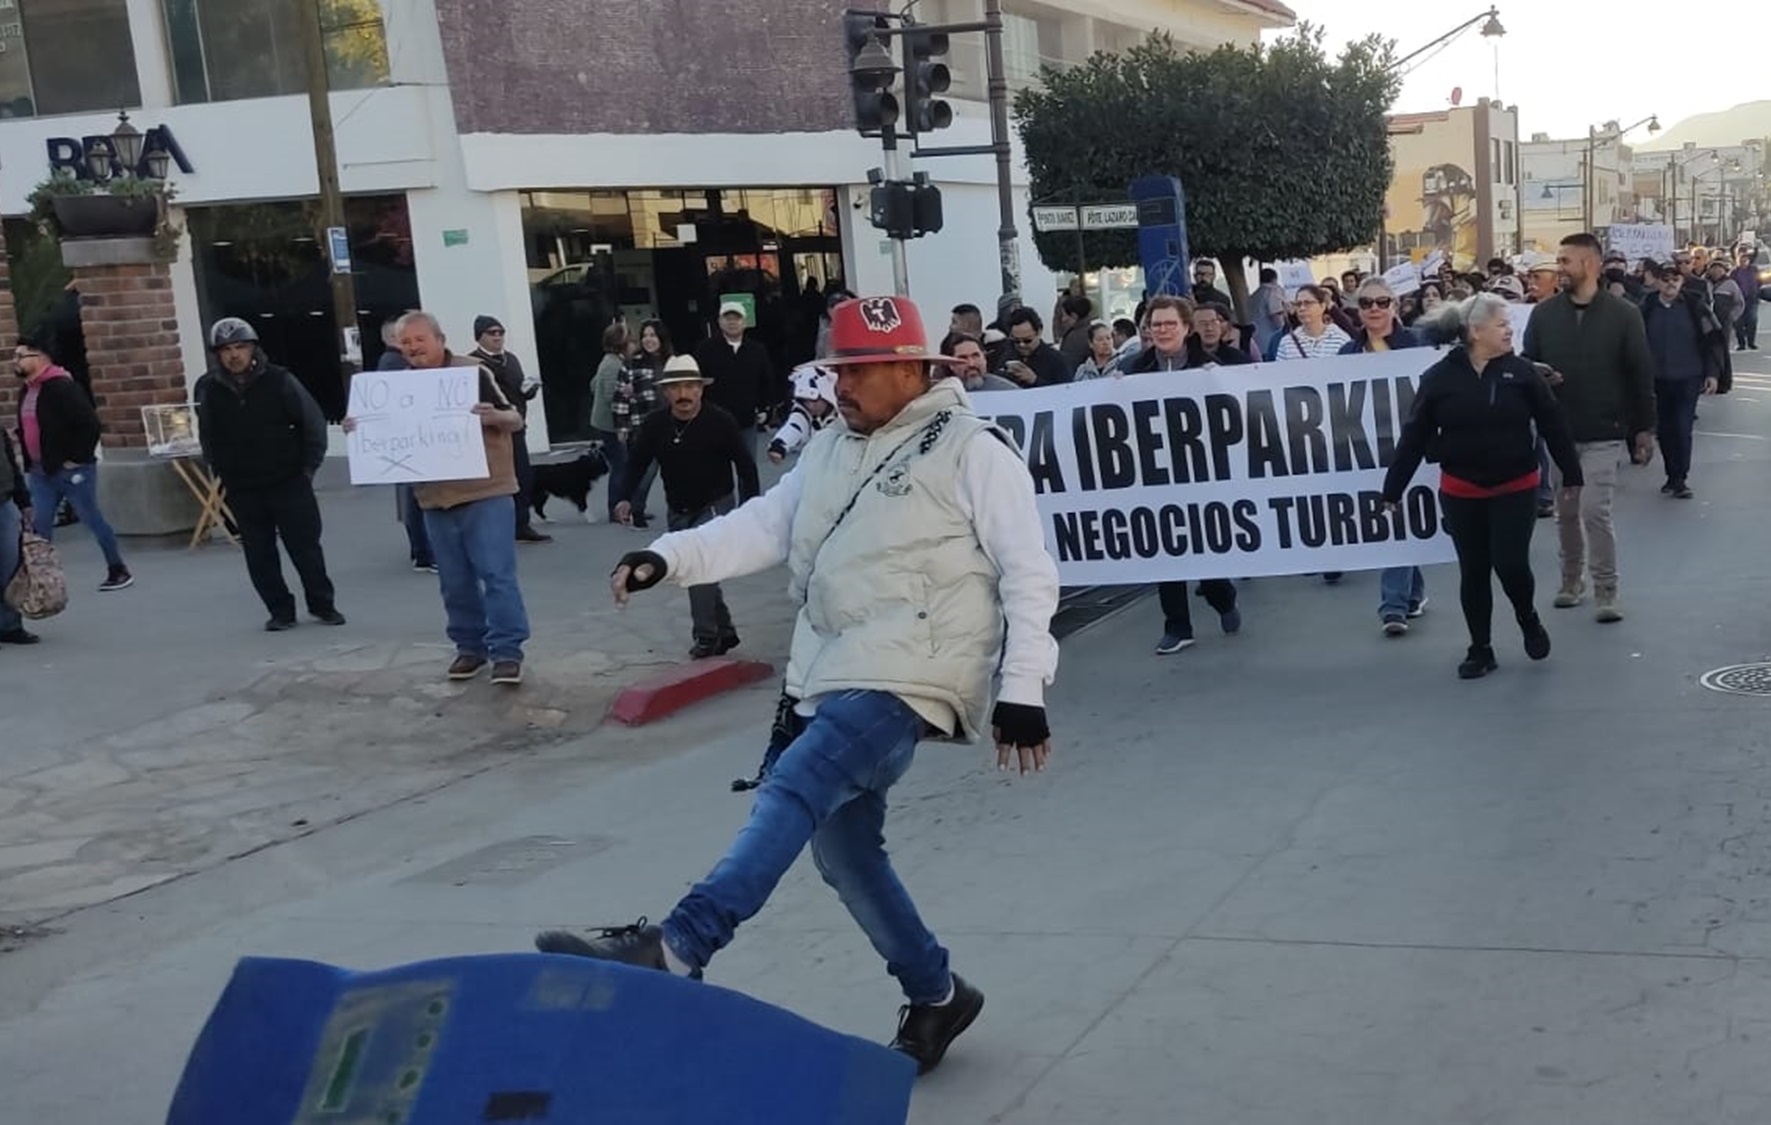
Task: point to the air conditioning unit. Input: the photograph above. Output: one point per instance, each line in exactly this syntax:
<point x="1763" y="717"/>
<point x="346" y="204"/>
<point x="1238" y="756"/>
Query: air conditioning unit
<point x="1506" y="209"/>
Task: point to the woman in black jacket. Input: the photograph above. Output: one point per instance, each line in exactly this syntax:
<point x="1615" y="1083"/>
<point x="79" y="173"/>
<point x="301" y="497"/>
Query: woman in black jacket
<point x="1478" y="413"/>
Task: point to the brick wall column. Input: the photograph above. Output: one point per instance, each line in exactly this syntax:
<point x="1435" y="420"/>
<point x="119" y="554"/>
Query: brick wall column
<point x="131" y="325"/>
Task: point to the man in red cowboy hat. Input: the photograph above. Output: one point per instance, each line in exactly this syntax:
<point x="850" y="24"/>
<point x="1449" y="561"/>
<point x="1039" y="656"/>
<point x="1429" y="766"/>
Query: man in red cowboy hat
<point x="915" y="553"/>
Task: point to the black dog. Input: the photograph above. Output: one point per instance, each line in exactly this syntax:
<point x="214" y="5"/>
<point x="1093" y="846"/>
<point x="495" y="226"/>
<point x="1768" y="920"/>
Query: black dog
<point x="570" y="481"/>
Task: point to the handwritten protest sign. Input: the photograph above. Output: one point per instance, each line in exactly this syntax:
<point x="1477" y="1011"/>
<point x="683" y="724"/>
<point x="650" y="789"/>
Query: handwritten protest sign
<point x="1295" y="275"/>
<point x="414" y="426"/>
<point x="1403" y="278"/>
<point x="1227" y="471"/>
<point x="1642" y="240"/>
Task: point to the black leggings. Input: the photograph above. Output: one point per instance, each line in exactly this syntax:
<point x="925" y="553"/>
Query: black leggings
<point x="1492" y="537"/>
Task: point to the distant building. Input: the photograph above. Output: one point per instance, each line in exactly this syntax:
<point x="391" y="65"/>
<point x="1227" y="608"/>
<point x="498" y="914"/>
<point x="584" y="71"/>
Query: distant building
<point x="1455" y="188"/>
<point x="1557" y="195"/>
<point x="1709" y="195"/>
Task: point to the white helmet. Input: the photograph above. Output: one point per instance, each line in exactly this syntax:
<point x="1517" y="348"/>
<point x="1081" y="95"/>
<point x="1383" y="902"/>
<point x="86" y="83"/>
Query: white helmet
<point x="814" y="382"/>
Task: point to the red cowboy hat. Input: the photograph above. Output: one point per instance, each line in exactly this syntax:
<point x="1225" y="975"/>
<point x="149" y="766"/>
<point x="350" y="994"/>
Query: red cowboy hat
<point x="878" y="330"/>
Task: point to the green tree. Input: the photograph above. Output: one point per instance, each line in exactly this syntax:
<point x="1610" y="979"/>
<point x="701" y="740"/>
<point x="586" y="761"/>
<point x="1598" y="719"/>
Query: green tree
<point x="1282" y="151"/>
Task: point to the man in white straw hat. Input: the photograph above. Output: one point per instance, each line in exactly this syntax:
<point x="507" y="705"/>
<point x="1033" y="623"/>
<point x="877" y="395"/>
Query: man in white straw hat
<point x="698" y="447"/>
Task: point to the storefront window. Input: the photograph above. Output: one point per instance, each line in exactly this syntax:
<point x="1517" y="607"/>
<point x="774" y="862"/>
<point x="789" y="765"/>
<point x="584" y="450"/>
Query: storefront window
<point x="670" y="254"/>
<point x="228" y="49"/>
<point x="261" y="262"/>
<point x="86" y="59"/>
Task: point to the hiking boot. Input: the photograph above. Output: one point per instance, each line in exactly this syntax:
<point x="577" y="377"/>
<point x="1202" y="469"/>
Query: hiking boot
<point x="1570" y="594"/>
<point x="119" y="578"/>
<point x="466" y="666"/>
<point x="640" y="945"/>
<point x="925" y="1031"/>
<point x="279" y="625"/>
<point x="1395" y="626"/>
<point x="1537" y="638"/>
<point x="507" y="672"/>
<point x="327" y="616"/>
<point x="1606" y="611"/>
<point x="19" y="636"/>
<point x="1477" y="663"/>
<point x="1172" y="643"/>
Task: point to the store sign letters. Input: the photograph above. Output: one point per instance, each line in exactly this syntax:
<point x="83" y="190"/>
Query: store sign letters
<point x="72" y="154"/>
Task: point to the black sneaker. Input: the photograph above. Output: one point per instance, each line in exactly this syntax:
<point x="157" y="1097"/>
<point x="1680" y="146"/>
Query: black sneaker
<point x="119" y="578"/>
<point x="19" y="636"/>
<point x="1478" y="663"/>
<point x="925" y="1031"/>
<point x="640" y="945"/>
<point x="1682" y="491"/>
<point x="327" y="616"/>
<point x="639" y="522"/>
<point x="1537" y="638"/>
<point x="1667" y="488"/>
<point x="728" y="642"/>
<point x="530" y="535"/>
<point x="704" y="650"/>
<point x="279" y="625"/>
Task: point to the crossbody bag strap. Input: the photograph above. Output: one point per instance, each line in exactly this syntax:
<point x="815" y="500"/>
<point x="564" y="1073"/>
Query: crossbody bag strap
<point x="926" y="438"/>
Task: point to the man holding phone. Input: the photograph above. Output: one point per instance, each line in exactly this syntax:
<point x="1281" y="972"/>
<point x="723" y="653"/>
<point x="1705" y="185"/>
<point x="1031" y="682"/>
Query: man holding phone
<point x="1601" y="368"/>
<point x="1036" y="363"/>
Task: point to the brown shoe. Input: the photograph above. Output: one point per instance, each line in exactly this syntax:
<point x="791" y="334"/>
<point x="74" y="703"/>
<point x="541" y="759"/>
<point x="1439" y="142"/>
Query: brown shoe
<point x="466" y="667"/>
<point x="508" y="672"/>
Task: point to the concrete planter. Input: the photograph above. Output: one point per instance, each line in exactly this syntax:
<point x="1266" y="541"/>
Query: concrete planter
<point x="106" y="216"/>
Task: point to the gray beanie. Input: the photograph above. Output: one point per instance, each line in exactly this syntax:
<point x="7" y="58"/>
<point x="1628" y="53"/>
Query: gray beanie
<point x="231" y="330"/>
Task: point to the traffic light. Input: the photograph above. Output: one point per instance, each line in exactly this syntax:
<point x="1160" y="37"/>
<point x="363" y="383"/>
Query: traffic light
<point x="871" y="72"/>
<point x="904" y="209"/>
<point x="926" y="76"/>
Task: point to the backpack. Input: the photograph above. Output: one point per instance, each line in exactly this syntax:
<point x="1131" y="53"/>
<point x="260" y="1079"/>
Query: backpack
<point x="40" y="588"/>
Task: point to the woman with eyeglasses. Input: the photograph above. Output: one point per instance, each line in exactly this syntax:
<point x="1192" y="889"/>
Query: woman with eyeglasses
<point x="1402" y="590"/>
<point x="1478" y="412"/>
<point x="1316" y="335"/>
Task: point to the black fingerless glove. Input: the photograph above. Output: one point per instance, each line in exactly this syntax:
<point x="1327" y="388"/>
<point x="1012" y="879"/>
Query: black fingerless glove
<point x="633" y="561"/>
<point x="779" y="447"/>
<point x="1020" y="724"/>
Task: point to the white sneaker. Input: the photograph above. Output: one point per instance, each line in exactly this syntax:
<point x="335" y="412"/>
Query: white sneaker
<point x="1419" y="607"/>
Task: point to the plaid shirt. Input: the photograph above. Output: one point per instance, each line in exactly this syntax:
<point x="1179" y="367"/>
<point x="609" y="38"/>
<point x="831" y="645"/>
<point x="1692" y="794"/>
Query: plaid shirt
<point x="636" y="395"/>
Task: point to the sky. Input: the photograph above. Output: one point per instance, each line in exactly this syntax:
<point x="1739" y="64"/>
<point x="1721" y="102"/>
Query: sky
<point x="1543" y="57"/>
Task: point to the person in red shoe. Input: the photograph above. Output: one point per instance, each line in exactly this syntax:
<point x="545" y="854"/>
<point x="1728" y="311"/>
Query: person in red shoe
<point x="914" y="550"/>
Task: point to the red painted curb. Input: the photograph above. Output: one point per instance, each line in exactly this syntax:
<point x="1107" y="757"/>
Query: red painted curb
<point x="682" y="686"/>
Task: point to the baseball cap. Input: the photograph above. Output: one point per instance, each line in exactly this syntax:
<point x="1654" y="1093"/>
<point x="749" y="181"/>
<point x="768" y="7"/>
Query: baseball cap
<point x="733" y="307"/>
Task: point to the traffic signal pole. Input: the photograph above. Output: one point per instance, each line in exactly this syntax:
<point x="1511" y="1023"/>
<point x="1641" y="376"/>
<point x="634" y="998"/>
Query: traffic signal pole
<point x="1008" y="243"/>
<point x="895" y="170"/>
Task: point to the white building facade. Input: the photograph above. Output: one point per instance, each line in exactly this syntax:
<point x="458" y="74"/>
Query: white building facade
<point x="519" y="159"/>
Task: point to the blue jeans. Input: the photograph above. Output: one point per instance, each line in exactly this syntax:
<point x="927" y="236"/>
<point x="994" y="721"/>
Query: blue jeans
<point x="615" y="453"/>
<point x="828" y="788"/>
<point x="1400" y="589"/>
<point x="417" y="540"/>
<point x="79" y="487"/>
<point x="476" y="558"/>
<point x="11" y="525"/>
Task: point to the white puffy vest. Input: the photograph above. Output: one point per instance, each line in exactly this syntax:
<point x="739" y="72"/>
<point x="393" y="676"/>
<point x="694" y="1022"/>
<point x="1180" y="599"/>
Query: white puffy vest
<point x="900" y="597"/>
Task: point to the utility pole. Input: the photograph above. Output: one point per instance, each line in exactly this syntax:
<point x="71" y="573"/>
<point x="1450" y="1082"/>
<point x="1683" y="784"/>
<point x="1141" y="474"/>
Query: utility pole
<point x="895" y="173"/>
<point x="1586" y="210"/>
<point x="333" y="235"/>
<point x="1008" y="246"/>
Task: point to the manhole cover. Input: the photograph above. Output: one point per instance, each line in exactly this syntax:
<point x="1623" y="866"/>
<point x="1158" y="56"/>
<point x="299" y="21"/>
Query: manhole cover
<point x="1739" y="679"/>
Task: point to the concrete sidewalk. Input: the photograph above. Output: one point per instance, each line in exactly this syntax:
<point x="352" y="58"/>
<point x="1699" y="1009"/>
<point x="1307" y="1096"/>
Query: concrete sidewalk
<point x="159" y="730"/>
<point x="1298" y="875"/>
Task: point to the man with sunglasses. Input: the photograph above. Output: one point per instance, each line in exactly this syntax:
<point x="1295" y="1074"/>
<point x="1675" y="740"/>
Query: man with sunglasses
<point x="1037" y="363"/>
<point x="1402" y="590"/>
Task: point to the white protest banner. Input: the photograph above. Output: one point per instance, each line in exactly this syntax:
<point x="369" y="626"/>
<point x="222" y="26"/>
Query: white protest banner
<point x="1519" y="315"/>
<point x="1429" y="267"/>
<point x="1641" y="240"/>
<point x="1295" y="275"/>
<point x="1403" y="278"/>
<point x="414" y="426"/>
<point x="1226" y="472"/>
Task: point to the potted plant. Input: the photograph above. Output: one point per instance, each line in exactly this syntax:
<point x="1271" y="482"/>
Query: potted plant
<point x="124" y="207"/>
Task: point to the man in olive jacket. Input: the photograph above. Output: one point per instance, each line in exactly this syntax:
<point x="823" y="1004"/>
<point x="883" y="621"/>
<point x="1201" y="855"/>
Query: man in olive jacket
<point x="1603" y="373"/>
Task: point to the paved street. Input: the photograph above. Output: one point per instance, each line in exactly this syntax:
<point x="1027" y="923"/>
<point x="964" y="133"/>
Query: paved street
<point x="1299" y="875"/>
